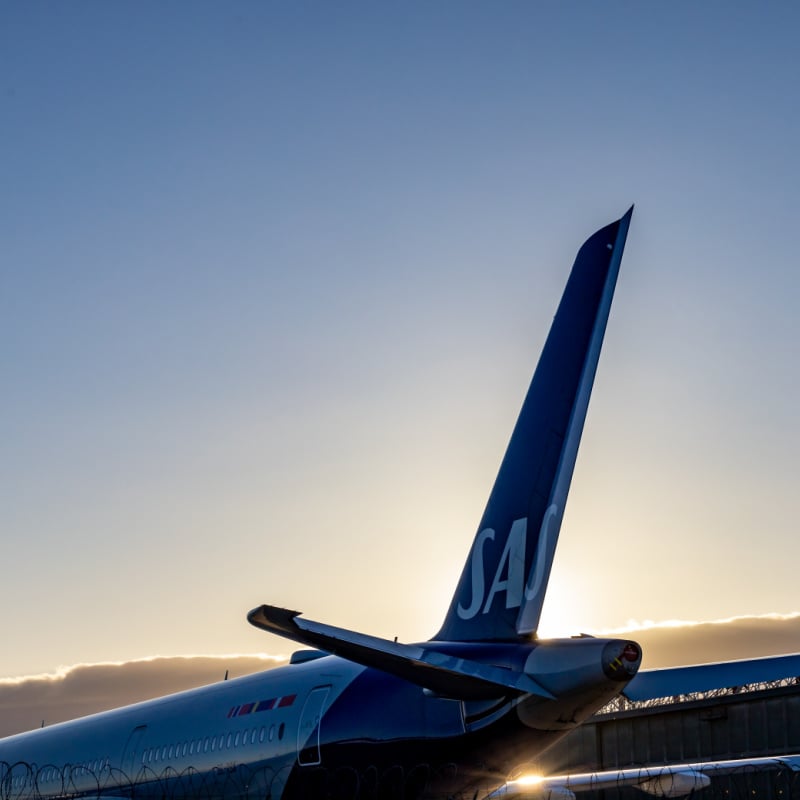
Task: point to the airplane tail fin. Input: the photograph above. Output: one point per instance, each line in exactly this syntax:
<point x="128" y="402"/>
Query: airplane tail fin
<point x="501" y="590"/>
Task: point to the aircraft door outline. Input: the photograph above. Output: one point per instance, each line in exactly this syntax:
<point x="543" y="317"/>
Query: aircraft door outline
<point x="308" y="728"/>
<point x="128" y="760"/>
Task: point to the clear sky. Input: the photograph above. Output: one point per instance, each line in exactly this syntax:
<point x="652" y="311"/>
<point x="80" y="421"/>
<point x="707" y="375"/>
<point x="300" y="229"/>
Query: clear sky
<point x="275" y="277"/>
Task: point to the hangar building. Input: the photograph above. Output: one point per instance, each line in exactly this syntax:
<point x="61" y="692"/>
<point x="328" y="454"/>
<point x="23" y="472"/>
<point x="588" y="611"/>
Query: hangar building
<point x="737" y="722"/>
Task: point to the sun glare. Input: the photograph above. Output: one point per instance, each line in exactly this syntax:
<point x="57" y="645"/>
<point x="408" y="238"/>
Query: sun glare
<point x="562" y="608"/>
<point x="528" y="780"/>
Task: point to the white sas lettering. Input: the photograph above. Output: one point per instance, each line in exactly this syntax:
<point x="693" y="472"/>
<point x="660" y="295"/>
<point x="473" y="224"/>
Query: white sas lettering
<point x="509" y="576"/>
<point x="477" y="576"/>
<point x="514" y="555"/>
<point x="543" y="555"/>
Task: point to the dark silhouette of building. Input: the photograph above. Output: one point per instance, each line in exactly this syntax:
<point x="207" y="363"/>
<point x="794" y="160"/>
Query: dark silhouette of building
<point x="736" y="722"/>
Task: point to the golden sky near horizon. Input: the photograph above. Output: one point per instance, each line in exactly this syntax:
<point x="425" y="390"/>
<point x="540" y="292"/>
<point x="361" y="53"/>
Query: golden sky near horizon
<point x="27" y="701"/>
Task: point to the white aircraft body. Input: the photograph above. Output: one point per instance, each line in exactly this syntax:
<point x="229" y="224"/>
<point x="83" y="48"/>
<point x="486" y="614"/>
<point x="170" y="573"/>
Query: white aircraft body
<point x="359" y="717"/>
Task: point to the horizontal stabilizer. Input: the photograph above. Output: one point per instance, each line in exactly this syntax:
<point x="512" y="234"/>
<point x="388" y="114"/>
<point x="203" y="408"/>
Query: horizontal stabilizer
<point x="649" y="684"/>
<point x="444" y="674"/>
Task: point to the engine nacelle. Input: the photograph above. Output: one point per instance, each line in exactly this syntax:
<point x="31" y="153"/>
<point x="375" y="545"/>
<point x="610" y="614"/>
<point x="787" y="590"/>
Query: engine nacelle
<point x="583" y="674"/>
<point x="675" y="784"/>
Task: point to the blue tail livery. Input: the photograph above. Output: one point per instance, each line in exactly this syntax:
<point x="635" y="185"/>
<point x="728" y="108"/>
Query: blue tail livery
<point x="502" y="587"/>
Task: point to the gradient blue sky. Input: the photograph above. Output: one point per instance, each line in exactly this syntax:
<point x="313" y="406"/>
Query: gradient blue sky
<point x="275" y="277"/>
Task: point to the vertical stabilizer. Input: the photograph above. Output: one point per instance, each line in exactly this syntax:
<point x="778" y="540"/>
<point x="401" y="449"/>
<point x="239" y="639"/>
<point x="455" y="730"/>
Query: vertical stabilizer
<point x="501" y="590"/>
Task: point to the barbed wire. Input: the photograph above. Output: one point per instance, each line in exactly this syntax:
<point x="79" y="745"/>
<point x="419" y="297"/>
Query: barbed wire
<point x="23" y="780"/>
<point x="620" y="703"/>
<point x="20" y="781"/>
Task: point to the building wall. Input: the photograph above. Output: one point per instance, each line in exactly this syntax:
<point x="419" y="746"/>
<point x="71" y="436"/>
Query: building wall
<point x="730" y="726"/>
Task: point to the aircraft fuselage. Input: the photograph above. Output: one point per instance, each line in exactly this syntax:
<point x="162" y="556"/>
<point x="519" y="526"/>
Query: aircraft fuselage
<point x="323" y="728"/>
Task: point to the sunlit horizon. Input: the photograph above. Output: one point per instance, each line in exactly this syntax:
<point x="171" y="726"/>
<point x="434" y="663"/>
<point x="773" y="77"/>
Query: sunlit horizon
<point x="64" y="670"/>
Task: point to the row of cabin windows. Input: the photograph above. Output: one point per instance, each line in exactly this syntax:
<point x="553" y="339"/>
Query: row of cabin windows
<point x="211" y="744"/>
<point x="155" y="754"/>
<point x="48" y="774"/>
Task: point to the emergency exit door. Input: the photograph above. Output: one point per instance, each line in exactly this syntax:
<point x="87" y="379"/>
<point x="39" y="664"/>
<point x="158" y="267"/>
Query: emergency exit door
<point x="308" y="730"/>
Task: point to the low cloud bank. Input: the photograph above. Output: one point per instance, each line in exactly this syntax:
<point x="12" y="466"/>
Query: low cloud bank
<point x="676" y="644"/>
<point x="86" y="688"/>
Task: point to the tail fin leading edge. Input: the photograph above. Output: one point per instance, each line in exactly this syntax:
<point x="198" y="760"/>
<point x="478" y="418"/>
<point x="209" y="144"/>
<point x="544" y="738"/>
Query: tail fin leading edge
<point x="501" y="590"/>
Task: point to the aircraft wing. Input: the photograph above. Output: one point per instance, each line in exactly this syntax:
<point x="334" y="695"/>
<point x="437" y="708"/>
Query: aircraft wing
<point x="653" y="683"/>
<point x="444" y="674"/>
<point x="675" y="780"/>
